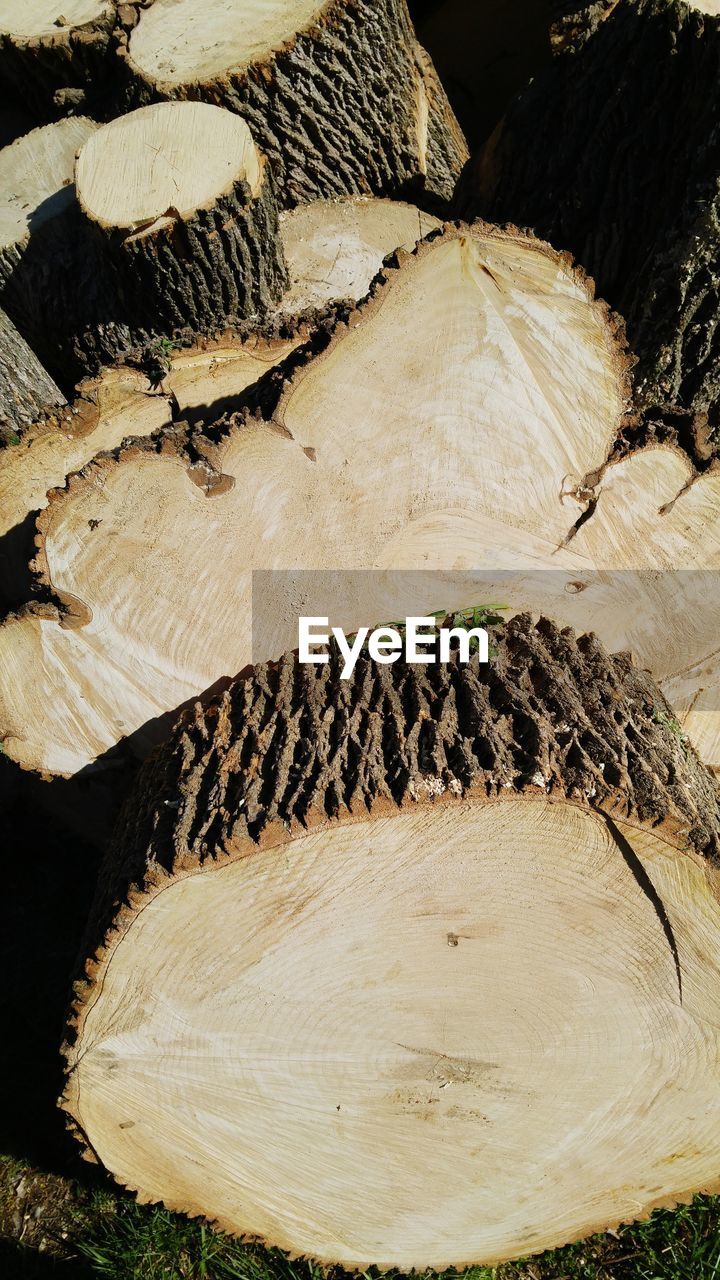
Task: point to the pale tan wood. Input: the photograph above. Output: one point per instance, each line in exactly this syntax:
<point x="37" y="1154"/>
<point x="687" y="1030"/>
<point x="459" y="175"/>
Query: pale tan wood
<point x="36" y="177"/>
<point x="173" y="155"/>
<point x="387" y="1020"/>
<point x="42" y="18"/>
<point x="406" y="454"/>
<point x="115" y="406"/>
<point x="333" y="249"/>
<point x="186" y="40"/>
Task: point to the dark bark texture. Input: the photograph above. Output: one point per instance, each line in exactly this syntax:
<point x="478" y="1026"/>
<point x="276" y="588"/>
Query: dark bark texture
<point x="336" y="110"/>
<point x="82" y="297"/>
<point x="572" y="22"/>
<point x="48" y="73"/>
<point x="209" y="271"/>
<point x="27" y="391"/>
<point x="292" y="745"/>
<point x="613" y="152"/>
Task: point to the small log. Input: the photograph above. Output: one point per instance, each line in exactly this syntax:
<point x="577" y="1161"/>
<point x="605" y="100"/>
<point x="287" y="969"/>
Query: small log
<point x="630" y="184"/>
<point x="184" y="204"/>
<point x="335" y="92"/>
<point x="52" y="51"/>
<point x="402" y="957"/>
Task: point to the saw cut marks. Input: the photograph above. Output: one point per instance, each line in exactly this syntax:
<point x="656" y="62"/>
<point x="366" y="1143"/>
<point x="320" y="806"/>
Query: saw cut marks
<point x="334" y="248"/>
<point x="137" y="168"/>
<point x="480" y="920"/>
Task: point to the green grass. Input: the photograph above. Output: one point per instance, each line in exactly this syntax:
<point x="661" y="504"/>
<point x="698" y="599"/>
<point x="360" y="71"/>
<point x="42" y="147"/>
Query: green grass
<point x="88" y="1230"/>
<point x="136" y="1243"/>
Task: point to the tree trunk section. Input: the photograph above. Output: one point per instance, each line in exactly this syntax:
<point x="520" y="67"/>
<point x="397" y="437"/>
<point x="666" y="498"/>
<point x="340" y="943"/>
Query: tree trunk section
<point x="27" y="392"/>
<point x="51" y="54"/>
<point x="183" y="204"/>
<point x="479" y="916"/>
<point x="629" y="184"/>
<point x="385" y="442"/>
<point x="333" y="92"/>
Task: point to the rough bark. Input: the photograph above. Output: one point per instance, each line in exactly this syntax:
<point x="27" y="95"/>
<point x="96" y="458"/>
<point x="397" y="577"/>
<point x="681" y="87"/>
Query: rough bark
<point x="53" y="67"/>
<point x="403" y="848"/>
<point x="337" y="106"/>
<point x="573" y="23"/>
<point x="211" y="263"/>
<point x="27" y="392"/>
<point x="629" y="184"/>
<point x="295" y="745"/>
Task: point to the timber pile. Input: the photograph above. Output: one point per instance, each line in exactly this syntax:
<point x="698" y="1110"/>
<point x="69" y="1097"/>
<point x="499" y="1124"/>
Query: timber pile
<point x="236" y="337"/>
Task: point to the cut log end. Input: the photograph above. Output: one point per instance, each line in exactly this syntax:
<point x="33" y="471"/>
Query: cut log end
<point x="384" y="475"/>
<point x="334" y="248"/>
<point x="293" y="69"/>
<point x="49" y="19"/>
<point x="167" y="161"/>
<point x="184" y="206"/>
<point x="411" y="1012"/>
<point x="180" y="42"/>
<point x="36" y="181"/>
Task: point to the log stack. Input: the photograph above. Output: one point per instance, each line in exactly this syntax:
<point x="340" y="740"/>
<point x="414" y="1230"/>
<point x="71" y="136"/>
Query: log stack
<point x="413" y="969"/>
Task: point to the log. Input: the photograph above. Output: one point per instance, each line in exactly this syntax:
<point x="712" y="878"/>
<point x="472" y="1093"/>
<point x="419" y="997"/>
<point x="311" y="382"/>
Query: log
<point x="629" y="184"/>
<point x="27" y="391"/>
<point x="333" y="249"/>
<point x="334" y="91"/>
<point x="41" y="242"/>
<point x="384" y="971"/>
<point x="185" y="207"/>
<point x="633" y="544"/>
<point x="381" y="443"/>
<point x="47" y="49"/>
